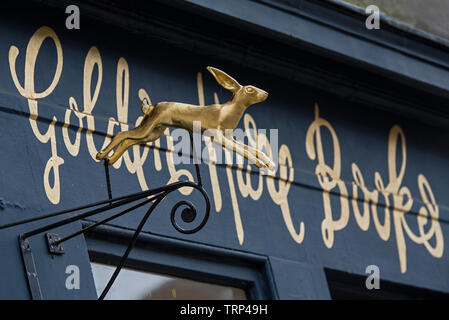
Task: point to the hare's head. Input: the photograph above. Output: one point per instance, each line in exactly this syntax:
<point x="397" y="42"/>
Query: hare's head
<point x="244" y="94"/>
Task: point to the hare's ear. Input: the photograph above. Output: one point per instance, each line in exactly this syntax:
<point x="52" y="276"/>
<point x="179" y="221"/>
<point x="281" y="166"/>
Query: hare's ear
<point x="226" y="81"/>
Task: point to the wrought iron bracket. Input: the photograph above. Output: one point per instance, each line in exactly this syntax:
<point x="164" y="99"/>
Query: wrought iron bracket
<point x="30" y="268"/>
<point x="152" y="198"/>
<point x="54" y="246"/>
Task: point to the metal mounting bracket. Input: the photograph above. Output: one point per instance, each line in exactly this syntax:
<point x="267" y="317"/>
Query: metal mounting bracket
<point x="150" y="197"/>
<point x="30" y="268"/>
<point x="53" y="246"/>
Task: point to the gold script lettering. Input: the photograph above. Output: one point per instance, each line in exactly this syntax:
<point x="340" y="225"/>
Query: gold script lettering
<point x="402" y="198"/>
<point x="328" y="177"/>
<point x="53" y="192"/>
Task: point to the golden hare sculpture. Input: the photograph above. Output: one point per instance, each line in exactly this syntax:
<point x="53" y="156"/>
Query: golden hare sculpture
<point x="220" y="118"/>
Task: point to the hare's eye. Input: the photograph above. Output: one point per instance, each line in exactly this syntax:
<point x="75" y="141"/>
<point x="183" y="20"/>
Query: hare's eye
<point x="249" y="90"/>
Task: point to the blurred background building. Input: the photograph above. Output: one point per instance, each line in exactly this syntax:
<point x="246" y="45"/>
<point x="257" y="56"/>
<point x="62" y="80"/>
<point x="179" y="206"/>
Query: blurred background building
<point x="429" y="15"/>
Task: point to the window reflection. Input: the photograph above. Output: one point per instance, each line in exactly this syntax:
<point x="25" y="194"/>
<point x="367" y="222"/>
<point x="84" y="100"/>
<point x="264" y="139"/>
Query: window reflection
<point x="139" y="285"/>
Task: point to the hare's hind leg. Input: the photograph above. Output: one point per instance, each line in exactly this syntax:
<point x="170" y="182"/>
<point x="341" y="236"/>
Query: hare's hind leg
<point x="142" y="131"/>
<point x="123" y="146"/>
<point x="116" y="140"/>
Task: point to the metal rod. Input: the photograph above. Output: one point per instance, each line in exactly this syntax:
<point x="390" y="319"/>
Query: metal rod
<point x="130" y="246"/>
<point x="108" y="181"/>
<point x="197" y="167"/>
<point x="56" y="243"/>
<point x="143" y="193"/>
<point x="13" y="224"/>
<point x="83" y="215"/>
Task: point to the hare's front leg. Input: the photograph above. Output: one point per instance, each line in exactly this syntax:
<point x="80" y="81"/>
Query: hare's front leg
<point x="231" y="145"/>
<point x="255" y="152"/>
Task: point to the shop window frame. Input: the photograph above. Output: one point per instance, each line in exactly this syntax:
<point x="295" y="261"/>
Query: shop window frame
<point x="184" y="259"/>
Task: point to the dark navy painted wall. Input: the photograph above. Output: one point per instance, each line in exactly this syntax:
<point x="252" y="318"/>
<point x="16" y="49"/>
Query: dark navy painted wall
<point x="169" y="73"/>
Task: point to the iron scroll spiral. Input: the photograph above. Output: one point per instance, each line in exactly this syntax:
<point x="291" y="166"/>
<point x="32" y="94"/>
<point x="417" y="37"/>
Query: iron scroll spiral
<point x="189" y="213"/>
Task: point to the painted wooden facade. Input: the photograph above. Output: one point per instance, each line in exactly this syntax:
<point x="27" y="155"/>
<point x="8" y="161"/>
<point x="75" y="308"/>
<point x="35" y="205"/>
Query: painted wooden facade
<point x="361" y="146"/>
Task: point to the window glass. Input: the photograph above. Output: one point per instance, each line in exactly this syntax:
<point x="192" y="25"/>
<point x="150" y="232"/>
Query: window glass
<point x="139" y="285"/>
<point x="347" y="286"/>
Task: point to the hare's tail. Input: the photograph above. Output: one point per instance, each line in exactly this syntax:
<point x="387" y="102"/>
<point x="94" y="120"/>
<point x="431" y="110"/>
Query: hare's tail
<point x="146" y="108"/>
